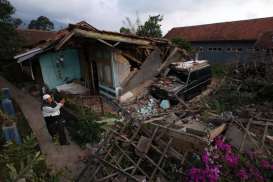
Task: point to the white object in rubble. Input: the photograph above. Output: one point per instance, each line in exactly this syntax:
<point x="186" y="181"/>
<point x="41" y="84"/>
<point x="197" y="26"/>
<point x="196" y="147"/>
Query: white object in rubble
<point x="190" y="64"/>
<point x="72" y="88"/>
<point x="125" y="97"/>
<point x="165" y="104"/>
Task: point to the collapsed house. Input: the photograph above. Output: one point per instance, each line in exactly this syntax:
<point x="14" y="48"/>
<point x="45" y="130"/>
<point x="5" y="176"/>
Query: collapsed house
<point x="154" y="140"/>
<point x="103" y="62"/>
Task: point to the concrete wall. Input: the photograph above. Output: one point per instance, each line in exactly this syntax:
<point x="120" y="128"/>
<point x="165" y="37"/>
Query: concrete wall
<point x="55" y="73"/>
<point x="224" y="52"/>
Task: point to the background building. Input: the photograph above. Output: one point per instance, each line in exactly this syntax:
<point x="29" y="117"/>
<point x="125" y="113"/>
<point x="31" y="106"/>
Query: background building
<point x="227" y="41"/>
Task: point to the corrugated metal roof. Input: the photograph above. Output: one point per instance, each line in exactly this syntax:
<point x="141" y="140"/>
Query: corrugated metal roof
<point x="244" y="30"/>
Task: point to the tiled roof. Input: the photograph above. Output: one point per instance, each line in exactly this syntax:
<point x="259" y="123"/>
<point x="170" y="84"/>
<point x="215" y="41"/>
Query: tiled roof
<point x="265" y="40"/>
<point x="33" y="37"/>
<point x="244" y="30"/>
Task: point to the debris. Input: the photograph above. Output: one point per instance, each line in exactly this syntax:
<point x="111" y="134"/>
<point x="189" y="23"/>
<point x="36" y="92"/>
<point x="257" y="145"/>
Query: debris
<point x="237" y="138"/>
<point x="72" y="88"/>
<point x="165" y="104"/>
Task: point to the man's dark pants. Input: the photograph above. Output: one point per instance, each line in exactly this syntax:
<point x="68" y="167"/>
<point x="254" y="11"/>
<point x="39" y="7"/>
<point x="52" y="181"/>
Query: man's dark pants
<point x="55" y="126"/>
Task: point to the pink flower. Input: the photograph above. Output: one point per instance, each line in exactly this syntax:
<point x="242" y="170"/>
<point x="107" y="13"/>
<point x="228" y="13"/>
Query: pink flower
<point x="219" y="142"/>
<point x="205" y="157"/>
<point x="265" y="164"/>
<point x="231" y="159"/>
<point x="255" y="172"/>
<point x="242" y="174"/>
<point x="195" y="174"/>
<point x="209" y="174"/>
<point x="212" y="174"/>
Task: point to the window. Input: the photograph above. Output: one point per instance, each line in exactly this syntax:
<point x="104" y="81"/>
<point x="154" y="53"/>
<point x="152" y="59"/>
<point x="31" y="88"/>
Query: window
<point x="210" y="49"/>
<point x="250" y="49"/>
<point x="239" y="49"/>
<point x="233" y="49"/>
<point x="228" y="49"/>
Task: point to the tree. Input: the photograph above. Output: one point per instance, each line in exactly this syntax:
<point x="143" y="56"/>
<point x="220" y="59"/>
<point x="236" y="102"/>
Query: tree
<point x="130" y="27"/>
<point x="124" y="30"/>
<point x="9" y="40"/>
<point x="41" y="23"/>
<point x="6" y="10"/>
<point x="182" y="43"/>
<point x="17" y="22"/>
<point x="151" y="27"/>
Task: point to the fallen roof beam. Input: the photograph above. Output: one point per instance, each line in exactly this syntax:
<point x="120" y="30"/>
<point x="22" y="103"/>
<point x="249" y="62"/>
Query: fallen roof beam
<point x="111" y="37"/>
<point x="176" y="55"/>
<point x="128" y="56"/>
<point x="63" y="41"/>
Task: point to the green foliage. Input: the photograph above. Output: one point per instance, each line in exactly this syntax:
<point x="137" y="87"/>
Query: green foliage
<point x="181" y="43"/>
<point x="23" y="161"/>
<point x="151" y="27"/>
<point x="41" y="23"/>
<point x="10" y="41"/>
<point x="86" y="129"/>
<point x="17" y="22"/>
<point x="236" y="91"/>
<point x="6" y="10"/>
<point x="124" y="30"/>
<point x="219" y="70"/>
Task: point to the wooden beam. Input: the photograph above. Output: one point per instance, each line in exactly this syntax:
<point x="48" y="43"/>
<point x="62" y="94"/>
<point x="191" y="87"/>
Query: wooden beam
<point x="217" y="131"/>
<point x="111" y="37"/>
<point x="176" y="55"/>
<point x="128" y="56"/>
<point x="63" y="41"/>
<point x="106" y="43"/>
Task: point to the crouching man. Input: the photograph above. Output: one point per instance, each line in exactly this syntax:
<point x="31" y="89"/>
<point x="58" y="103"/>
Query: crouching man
<point x="54" y="121"/>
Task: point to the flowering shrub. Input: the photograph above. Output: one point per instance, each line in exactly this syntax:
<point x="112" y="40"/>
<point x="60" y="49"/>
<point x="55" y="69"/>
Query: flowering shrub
<point x="221" y="162"/>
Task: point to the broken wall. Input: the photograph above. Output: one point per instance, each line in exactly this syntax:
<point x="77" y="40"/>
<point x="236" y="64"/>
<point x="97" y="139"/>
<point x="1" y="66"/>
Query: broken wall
<point x="122" y="67"/>
<point x="147" y="71"/>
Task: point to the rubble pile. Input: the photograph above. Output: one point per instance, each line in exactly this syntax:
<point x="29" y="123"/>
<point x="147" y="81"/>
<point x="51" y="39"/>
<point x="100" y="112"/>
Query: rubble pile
<point x="181" y="142"/>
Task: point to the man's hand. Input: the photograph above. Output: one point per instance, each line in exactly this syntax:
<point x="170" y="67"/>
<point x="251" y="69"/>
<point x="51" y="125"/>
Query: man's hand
<point x="62" y="101"/>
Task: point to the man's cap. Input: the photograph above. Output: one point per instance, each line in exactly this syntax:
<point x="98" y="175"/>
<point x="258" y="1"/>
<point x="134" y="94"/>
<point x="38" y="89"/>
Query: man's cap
<point x="46" y="96"/>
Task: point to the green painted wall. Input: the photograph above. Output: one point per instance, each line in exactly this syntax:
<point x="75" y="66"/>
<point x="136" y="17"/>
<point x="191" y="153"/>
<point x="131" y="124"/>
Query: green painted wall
<point x="55" y="73"/>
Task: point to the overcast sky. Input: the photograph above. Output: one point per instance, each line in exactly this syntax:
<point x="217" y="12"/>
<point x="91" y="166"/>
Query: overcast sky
<point x="109" y="14"/>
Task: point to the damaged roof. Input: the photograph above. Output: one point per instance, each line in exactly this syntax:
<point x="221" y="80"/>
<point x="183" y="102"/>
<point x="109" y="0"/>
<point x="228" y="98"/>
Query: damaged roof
<point x="33" y="37"/>
<point x="58" y="39"/>
<point x="244" y="30"/>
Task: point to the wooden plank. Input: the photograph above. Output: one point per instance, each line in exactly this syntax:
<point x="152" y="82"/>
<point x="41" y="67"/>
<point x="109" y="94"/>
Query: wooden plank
<point x="153" y="119"/>
<point x="176" y="55"/>
<point x="114" y="174"/>
<point x="144" y="155"/>
<point x="64" y="40"/>
<point x="111" y="37"/>
<point x="245" y="135"/>
<point x="128" y="56"/>
<point x="265" y="133"/>
<point x="136" y="165"/>
<point x="217" y="131"/>
<point x="106" y="43"/>
<point x="161" y="158"/>
<point x="115" y="168"/>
